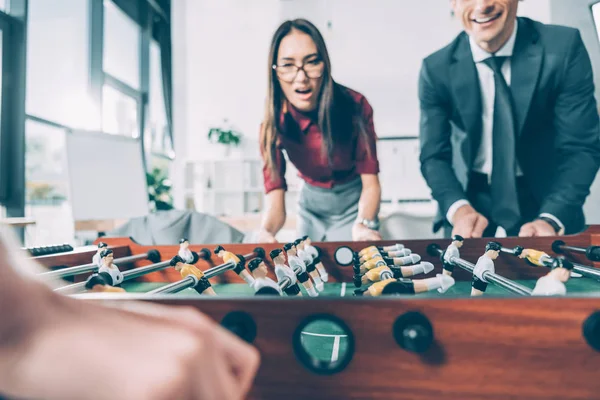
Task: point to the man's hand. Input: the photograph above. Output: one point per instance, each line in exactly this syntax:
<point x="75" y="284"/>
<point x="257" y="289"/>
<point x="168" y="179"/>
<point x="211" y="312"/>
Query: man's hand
<point x="537" y="228"/>
<point x="361" y="233"/>
<point x="468" y="223"/>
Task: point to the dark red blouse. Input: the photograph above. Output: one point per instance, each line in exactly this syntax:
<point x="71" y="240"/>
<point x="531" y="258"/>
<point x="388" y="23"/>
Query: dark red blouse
<point x="301" y="138"/>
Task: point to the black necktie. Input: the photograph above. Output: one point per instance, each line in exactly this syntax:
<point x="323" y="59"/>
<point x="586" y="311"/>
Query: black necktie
<point x="505" y="203"/>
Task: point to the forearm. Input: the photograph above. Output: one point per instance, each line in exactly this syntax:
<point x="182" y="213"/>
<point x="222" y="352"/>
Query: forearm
<point x="572" y="182"/>
<point x="370" y="200"/>
<point x="275" y="214"/>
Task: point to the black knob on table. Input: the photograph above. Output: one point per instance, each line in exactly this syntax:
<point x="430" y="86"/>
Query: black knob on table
<point x="241" y="324"/>
<point x="557" y="246"/>
<point x="434" y="250"/>
<point x="593" y="253"/>
<point x="591" y="330"/>
<point x="413" y="332"/>
<point x="267" y="291"/>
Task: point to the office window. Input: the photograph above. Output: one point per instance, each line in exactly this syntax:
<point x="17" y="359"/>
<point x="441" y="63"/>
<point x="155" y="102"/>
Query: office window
<point x="58" y="63"/>
<point x="3" y="5"/>
<point x="120" y="113"/>
<point x="47" y="188"/>
<point x="157" y="136"/>
<point x="0" y="72"/>
<point x="121" y="45"/>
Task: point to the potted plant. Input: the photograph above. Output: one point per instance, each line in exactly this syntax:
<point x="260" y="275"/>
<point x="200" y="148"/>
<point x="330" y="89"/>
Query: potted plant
<point x="159" y="190"/>
<point x="225" y="136"/>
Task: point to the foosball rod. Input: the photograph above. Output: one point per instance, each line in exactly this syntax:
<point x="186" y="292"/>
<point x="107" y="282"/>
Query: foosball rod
<point x="434" y="250"/>
<point x="127" y="275"/>
<point x="588" y="272"/>
<point x="591" y="252"/>
<point x="152" y="255"/>
<point x="190" y="282"/>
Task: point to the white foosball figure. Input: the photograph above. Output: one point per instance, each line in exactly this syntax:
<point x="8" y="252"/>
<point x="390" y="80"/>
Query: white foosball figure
<point x="314" y="252"/>
<point x="309" y="263"/>
<point x="299" y="268"/>
<point x="452" y="251"/>
<point x="108" y="266"/>
<point x="553" y="284"/>
<point x="259" y="271"/>
<point x="484" y="263"/>
<point x="282" y="271"/>
<point x="96" y="259"/>
<point x="185" y="253"/>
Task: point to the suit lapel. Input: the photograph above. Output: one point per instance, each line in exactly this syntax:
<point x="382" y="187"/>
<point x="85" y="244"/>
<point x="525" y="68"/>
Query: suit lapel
<point x="467" y="94"/>
<point x="526" y="63"/>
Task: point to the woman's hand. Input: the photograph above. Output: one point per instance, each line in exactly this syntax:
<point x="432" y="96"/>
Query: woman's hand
<point x="361" y="233"/>
<point x="264" y="236"/>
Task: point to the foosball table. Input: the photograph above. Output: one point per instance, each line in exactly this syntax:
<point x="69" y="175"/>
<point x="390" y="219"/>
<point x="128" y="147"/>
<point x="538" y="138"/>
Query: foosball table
<point x="415" y="319"/>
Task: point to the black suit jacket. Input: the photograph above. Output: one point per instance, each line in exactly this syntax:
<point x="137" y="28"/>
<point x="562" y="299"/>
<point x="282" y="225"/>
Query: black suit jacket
<point x="558" y="136"/>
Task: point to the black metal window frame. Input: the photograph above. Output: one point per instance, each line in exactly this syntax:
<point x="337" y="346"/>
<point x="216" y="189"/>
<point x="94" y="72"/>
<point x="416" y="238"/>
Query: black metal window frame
<point x="145" y="13"/>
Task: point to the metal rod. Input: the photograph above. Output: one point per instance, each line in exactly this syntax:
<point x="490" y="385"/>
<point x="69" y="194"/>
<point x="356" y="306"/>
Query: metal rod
<point x="75" y="287"/>
<point x="189" y="282"/>
<point x="284" y="283"/>
<point x="497" y="280"/>
<point x="219" y="269"/>
<point x="588" y="272"/>
<point x="127" y="275"/>
<point x="137" y="272"/>
<point x="591" y="252"/>
<point x="507" y="284"/>
<point x="91" y="267"/>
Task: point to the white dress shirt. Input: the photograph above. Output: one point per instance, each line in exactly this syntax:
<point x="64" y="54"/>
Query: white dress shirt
<point x="483" y="158"/>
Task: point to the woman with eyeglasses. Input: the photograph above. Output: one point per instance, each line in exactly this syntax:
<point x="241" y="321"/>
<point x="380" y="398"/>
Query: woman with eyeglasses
<point x="327" y="132"/>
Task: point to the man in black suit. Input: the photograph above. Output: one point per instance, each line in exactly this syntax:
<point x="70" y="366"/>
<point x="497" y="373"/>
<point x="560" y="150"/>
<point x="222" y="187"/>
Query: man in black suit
<point x="517" y="97"/>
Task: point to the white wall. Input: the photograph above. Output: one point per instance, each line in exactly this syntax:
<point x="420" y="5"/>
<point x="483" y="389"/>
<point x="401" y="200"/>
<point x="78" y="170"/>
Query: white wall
<point x="219" y="71"/>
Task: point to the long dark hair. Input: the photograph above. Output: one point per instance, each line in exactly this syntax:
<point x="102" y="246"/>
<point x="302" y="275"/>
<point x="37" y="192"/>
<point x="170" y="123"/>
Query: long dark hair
<point x="335" y="103"/>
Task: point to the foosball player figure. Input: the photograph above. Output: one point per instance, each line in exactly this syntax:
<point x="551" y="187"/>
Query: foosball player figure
<point x="396" y="261"/>
<point x="188" y="256"/>
<point x="108" y="266"/>
<point x="203" y="286"/>
<point x="308" y="262"/>
<point x="385" y="272"/>
<point x="259" y="272"/>
<point x="96" y="259"/>
<point x="440" y="282"/>
<point x="553" y="283"/>
<point x="484" y="263"/>
<point x="538" y="258"/>
<point x="370" y="249"/>
<point x="102" y="283"/>
<point x="376" y="253"/>
<point x="239" y="262"/>
<point x="299" y="269"/>
<point x="316" y="255"/>
<point x="452" y="251"/>
<point x="283" y="271"/>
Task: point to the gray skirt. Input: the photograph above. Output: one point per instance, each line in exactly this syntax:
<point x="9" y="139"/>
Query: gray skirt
<point x="328" y="214"/>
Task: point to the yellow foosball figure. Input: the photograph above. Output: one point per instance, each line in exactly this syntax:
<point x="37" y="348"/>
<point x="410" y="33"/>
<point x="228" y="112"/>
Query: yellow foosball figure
<point x="370" y="249"/>
<point x="536" y="257"/>
<point x="239" y="269"/>
<point x="203" y="286"/>
<point x="394" y="286"/>
<point x="385" y="272"/>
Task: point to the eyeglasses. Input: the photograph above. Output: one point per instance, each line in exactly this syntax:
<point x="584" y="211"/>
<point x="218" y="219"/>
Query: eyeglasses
<point x="312" y="69"/>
